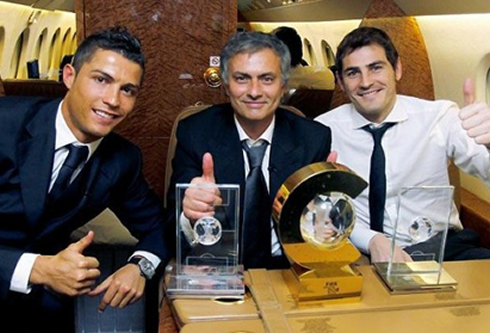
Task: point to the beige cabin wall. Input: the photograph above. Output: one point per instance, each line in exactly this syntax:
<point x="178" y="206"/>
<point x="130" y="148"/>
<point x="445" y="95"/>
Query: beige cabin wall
<point x="459" y="47"/>
<point x="58" y="30"/>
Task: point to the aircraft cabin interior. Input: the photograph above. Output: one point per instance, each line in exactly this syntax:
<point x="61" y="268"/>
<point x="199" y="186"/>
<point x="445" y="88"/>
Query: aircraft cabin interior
<point x="441" y="43"/>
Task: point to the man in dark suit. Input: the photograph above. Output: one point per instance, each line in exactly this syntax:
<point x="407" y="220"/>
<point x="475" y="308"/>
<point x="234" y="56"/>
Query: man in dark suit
<point x="40" y="271"/>
<point x="255" y="69"/>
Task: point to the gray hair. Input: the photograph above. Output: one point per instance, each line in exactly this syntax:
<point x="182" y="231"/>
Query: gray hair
<point x="251" y="42"/>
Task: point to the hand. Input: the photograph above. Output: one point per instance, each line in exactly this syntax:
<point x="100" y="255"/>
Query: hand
<point x="200" y="202"/>
<point x="69" y="272"/>
<point x="380" y="248"/>
<point x="332" y="157"/>
<point x="123" y="287"/>
<point x="475" y="117"/>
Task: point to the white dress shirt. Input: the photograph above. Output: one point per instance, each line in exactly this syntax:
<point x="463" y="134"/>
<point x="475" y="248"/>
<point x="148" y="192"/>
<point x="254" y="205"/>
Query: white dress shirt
<point x="418" y="149"/>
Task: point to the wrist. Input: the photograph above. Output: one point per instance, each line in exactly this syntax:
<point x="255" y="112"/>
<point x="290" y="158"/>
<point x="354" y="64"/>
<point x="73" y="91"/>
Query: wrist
<point x="145" y="266"/>
<point x="39" y="270"/>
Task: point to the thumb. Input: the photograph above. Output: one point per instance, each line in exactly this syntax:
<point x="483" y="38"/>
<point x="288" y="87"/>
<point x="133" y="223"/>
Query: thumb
<point x="208" y="167"/>
<point x="468" y="92"/>
<point x="332" y="157"/>
<point x="83" y="243"/>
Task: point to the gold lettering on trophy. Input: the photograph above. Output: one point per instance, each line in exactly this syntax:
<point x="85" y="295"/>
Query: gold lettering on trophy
<point x="332" y="287"/>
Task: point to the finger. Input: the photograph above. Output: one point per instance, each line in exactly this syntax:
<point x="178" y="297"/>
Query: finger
<point x="196" y="215"/>
<point x="130" y="298"/>
<point x="108" y="298"/>
<point x="468" y="92"/>
<point x="85" y="287"/>
<point x="88" y="263"/>
<point x="92" y="274"/>
<point x="332" y="157"/>
<point x="101" y="287"/>
<point x="83" y="243"/>
<point x="208" y="167"/>
<point x="118" y="297"/>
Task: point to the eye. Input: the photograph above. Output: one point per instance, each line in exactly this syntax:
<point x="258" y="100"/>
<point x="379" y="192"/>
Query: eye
<point x="100" y="79"/>
<point x="352" y="74"/>
<point x="240" y="78"/>
<point x="129" y="91"/>
<point x="377" y="68"/>
<point x="268" y="79"/>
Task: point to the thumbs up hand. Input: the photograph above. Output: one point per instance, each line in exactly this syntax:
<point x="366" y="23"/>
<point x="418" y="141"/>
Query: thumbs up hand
<point x="475" y="117"/>
<point x="200" y="202"/>
<point x="68" y="272"/>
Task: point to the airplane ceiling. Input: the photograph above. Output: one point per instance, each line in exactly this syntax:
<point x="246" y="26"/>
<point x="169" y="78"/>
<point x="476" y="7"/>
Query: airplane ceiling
<point x="312" y="10"/>
<point x="332" y="10"/>
<point x="66" y="5"/>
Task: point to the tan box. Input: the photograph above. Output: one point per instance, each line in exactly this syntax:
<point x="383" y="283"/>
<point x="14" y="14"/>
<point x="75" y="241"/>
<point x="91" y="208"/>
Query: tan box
<point x="473" y="288"/>
<point x="457" y="319"/>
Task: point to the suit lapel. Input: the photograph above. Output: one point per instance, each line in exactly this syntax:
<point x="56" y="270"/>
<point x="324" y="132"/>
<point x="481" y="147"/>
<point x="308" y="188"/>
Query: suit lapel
<point x="225" y="145"/>
<point x="36" y="149"/>
<point x="286" y="152"/>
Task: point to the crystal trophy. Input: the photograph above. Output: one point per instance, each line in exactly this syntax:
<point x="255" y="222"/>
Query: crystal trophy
<point x="207" y="249"/>
<point x="316" y="215"/>
<point x="422" y="222"/>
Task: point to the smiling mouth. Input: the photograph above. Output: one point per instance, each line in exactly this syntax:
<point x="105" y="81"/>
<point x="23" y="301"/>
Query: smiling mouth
<point x="104" y="114"/>
<point x="369" y="93"/>
<point x="254" y="103"/>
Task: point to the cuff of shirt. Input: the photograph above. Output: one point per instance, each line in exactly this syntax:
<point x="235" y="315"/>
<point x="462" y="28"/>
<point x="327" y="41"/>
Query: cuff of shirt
<point x="22" y="271"/>
<point x="361" y="237"/>
<point x="187" y="229"/>
<point x="147" y="255"/>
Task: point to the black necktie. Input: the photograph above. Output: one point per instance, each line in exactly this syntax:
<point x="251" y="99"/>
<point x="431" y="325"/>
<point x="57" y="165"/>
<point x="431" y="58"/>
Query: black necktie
<point x="76" y="155"/>
<point x="377" y="178"/>
<point x="257" y="211"/>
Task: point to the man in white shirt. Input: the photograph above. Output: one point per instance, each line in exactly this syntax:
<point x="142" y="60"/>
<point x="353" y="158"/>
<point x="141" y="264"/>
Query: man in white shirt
<point x="420" y="139"/>
<point x="255" y="69"/>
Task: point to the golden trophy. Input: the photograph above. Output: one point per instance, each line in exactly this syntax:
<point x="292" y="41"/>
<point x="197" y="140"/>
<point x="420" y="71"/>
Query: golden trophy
<point x="315" y="216"/>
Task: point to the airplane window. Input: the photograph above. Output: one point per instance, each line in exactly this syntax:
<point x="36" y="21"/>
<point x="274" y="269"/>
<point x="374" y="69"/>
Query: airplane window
<point x="42" y="56"/>
<point x="17" y="69"/>
<point x="309" y="53"/>
<point x="328" y="55"/>
<point x="2" y="42"/>
<point x="73" y="46"/>
<point x="488" y="85"/>
<point x="66" y="43"/>
<point x="54" y="56"/>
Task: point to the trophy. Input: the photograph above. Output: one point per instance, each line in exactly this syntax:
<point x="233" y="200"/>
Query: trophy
<point x="315" y="216"/>
<point x="207" y="249"/>
<point x="422" y="221"/>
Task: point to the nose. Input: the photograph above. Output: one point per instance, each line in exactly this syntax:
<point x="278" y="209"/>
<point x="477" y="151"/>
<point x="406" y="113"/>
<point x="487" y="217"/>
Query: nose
<point x="366" y="80"/>
<point x="111" y="97"/>
<point x="255" y="89"/>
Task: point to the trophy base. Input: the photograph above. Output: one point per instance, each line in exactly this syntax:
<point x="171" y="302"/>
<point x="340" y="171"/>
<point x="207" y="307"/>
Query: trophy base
<point x="326" y="282"/>
<point x="206" y="282"/>
<point x="410" y="277"/>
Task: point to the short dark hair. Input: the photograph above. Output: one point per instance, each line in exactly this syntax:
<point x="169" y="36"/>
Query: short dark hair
<point x="292" y="40"/>
<point x="361" y="37"/>
<point x="251" y="42"/>
<point x="117" y="39"/>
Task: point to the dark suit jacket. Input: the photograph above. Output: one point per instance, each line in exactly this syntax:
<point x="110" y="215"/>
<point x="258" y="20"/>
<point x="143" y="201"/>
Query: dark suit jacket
<point x="112" y="179"/>
<point x="296" y="142"/>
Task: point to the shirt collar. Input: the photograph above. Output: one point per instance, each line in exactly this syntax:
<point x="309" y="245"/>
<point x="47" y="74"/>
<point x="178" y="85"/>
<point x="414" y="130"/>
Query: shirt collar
<point x="64" y="136"/>
<point x="397" y="114"/>
<point x="265" y="136"/>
